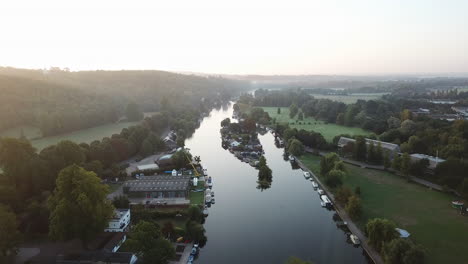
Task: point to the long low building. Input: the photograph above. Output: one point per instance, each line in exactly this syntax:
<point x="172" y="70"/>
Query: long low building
<point x="158" y="187"/>
<point x="392" y="149"/>
<point x="433" y="161"/>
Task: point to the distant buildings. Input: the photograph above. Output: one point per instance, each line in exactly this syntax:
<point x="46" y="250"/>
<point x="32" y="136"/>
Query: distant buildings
<point x="420" y="111"/>
<point x="119" y="221"/>
<point x="461" y="111"/>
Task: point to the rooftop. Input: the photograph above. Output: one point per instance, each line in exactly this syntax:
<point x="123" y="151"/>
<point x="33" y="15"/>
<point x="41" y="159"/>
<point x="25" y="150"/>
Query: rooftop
<point x="390" y="146"/>
<point x="159" y="183"/>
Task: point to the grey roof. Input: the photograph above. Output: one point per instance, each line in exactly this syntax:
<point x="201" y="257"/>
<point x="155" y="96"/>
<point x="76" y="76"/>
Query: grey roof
<point x="433" y="161"/>
<point x="159" y="183"/>
<point x="385" y="145"/>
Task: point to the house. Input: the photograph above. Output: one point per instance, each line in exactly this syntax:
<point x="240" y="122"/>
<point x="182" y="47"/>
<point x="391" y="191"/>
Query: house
<point x="119" y="221"/>
<point x="433" y="161"/>
<point x="158" y="187"/>
<point x="390" y="148"/>
<point x="235" y="144"/>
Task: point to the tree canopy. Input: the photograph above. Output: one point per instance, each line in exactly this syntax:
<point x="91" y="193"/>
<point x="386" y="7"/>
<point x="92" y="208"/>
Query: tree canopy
<point x="79" y="206"/>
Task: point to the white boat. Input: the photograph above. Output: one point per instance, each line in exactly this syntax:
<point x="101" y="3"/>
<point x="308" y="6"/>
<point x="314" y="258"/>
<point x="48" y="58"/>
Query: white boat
<point x="326" y="200"/>
<point x="212" y="194"/>
<point x="291" y="158"/>
<point x="314" y="184"/>
<point x="306" y="174"/>
<point x="320" y="191"/>
<point x="355" y="239"/>
<point x="322" y="204"/>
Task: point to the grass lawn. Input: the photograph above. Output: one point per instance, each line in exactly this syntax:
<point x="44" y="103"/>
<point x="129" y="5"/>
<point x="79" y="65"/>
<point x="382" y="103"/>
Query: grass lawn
<point x="329" y="131"/>
<point x="85" y="135"/>
<point x="197" y="198"/>
<point x="426" y="214"/>
<point x="351" y="98"/>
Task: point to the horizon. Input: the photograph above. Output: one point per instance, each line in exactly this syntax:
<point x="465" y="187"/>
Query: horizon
<point x="363" y="38"/>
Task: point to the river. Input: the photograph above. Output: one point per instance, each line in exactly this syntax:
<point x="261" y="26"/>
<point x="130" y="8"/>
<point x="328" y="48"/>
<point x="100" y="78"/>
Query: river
<point x="247" y="225"/>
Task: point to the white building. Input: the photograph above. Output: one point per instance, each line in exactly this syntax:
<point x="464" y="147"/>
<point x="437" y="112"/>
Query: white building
<point x="120" y="221"/>
<point x="152" y="166"/>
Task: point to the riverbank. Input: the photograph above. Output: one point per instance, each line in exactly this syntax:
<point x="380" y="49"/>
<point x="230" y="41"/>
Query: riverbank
<point x="424" y="212"/>
<point x="374" y="255"/>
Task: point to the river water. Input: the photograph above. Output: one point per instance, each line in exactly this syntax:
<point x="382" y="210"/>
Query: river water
<point x="247" y="225"/>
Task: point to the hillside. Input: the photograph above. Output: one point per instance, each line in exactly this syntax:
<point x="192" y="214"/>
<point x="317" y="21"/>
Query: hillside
<point x="59" y="101"/>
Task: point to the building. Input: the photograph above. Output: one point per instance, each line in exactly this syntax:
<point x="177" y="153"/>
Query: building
<point x="390" y="148"/>
<point x="461" y="111"/>
<point x="165" y="161"/>
<point x="119" y="222"/>
<point x="152" y="166"/>
<point x="420" y="111"/>
<point x="433" y="161"/>
<point x="158" y="187"/>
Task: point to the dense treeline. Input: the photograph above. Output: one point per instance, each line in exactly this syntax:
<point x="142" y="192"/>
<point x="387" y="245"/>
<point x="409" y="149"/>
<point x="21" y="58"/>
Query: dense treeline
<point x="59" y="101"/>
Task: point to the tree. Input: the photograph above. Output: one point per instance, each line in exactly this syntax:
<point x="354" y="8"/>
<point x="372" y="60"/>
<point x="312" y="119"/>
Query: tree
<point x="334" y="178"/>
<point x="278" y="111"/>
<point x="295" y="147"/>
<point x="264" y="174"/>
<point x="406" y="115"/>
<point x="386" y="160"/>
<point x="300" y="116"/>
<point x="146" y="241"/>
<point x="354" y="207"/>
<point x="405" y="165"/>
<point x="360" y="149"/>
<point x="464" y="188"/>
<point x="79" y="206"/>
<point x="403" y="251"/>
<point x="181" y="159"/>
<point x="195" y="231"/>
<point x="295" y="260"/>
<point x="133" y="112"/>
<point x="343" y="194"/>
<point x="10" y="237"/>
<point x="379" y="154"/>
<point x="393" y="122"/>
<point x="121" y="201"/>
<point x="293" y="109"/>
<point x="396" y="163"/>
<point x="371" y="153"/>
<point x="380" y="231"/>
<point x="327" y="163"/>
<point x="226" y="122"/>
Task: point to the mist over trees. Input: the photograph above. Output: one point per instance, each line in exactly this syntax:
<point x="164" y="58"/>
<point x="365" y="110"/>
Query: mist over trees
<point x="59" y="101"/>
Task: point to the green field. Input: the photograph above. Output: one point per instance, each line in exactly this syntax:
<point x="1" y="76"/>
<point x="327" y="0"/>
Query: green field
<point x="426" y="214"/>
<point x="351" y="98"/>
<point x="329" y="131"/>
<point x="85" y="135"/>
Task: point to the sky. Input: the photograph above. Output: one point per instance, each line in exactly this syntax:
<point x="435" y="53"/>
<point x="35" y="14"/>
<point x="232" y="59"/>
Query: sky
<point x="238" y="37"/>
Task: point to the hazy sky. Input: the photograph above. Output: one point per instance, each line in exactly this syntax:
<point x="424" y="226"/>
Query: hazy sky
<point x="256" y="37"/>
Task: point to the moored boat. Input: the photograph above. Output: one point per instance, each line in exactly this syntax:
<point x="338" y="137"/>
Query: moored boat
<point x="355" y="239"/>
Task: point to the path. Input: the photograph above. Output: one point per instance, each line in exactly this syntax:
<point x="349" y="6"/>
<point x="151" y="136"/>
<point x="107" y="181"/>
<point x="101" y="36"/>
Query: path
<point x="374" y="255"/>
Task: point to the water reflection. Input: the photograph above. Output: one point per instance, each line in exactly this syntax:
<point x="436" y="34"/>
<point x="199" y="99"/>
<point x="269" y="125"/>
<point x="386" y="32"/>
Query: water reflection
<point x="252" y="226"/>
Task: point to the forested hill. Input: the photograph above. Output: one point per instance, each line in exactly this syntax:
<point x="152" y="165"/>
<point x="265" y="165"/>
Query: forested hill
<point x="51" y="107"/>
<point x="59" y="101"/>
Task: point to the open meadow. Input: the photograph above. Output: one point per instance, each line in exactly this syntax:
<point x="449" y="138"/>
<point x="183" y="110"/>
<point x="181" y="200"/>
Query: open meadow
<point x="425" y="213"/>
<point x="84" y="135"/>
<point x="351" y="98"/>
<point x="329" y="131"/>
